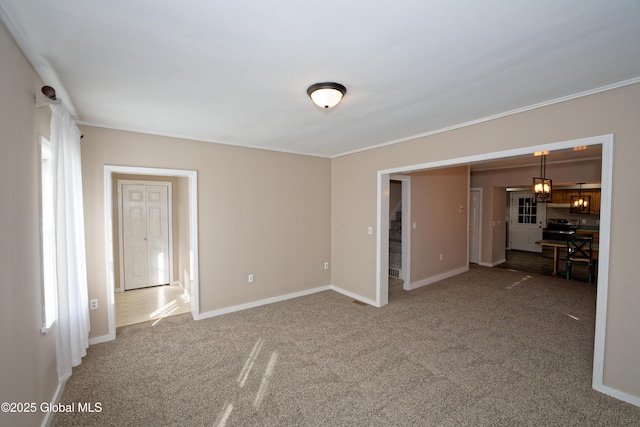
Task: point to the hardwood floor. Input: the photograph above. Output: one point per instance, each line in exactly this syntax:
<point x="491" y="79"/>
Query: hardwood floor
<point x="532" y="262"/>
<point x="150" y="304"/>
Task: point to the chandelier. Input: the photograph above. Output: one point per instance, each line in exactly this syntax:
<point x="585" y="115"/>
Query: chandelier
<point x="542" y="185"/>
<point x="580" y="204"/>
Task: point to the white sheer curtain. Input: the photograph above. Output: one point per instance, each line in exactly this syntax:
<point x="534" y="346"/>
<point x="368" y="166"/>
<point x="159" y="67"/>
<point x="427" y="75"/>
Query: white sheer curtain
<point x="73" y="302"/>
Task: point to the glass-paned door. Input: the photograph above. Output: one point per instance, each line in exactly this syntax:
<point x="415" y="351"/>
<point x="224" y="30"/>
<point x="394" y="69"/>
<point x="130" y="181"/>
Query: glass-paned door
<point x="527" y="210"/>
<point x="527" y="219"/>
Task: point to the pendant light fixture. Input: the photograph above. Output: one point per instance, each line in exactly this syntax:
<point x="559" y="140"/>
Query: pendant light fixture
<point x="580" y="204"/>
<point x="542" y="185"/>
<point x="327" y="94"/>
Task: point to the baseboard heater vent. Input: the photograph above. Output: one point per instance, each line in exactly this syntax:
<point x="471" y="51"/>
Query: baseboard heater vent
<point x="394" y="272"/>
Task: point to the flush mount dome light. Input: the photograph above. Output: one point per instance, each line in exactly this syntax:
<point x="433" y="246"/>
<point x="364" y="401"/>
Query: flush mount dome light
<point x="326" y="95"/>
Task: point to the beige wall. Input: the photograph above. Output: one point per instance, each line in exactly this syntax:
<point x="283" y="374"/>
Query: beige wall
<point x="27" y="358"/>
<point x="436" y="197"/>
<point x="354" y="202"/>
<point x="259" y="212"/>
<point x="183" y="273"/>
<point x="498" y="232"/>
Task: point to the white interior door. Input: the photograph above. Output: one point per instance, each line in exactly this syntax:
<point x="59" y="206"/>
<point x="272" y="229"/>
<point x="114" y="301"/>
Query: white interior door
<point x="145" y="234"/>
<point x="527" y="221"/>
<point x="475" y="204"/>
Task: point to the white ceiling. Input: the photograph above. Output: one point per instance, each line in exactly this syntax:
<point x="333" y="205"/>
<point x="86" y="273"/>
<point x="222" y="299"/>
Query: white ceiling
<point x="237" y="71"/>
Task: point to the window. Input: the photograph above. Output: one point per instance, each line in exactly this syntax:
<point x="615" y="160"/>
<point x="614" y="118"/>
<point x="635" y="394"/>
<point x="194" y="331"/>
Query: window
<point x="527" y="210"/>
<point x="49" y="280"/>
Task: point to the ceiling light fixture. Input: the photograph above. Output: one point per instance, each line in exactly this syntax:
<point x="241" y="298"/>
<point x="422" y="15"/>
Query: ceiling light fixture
<point x="580" y="204"/>
<point x="542" y="185"/>
<point x="326" y="95"/>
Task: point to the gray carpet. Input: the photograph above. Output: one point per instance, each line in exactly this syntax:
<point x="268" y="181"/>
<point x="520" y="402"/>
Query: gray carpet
<point x="488" y="347"/>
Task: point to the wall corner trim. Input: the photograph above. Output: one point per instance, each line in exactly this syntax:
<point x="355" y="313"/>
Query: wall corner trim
<point x="354" y="296"/>
<point x="620" y="395"/>
<point x="438" y="277"/>
<point x="492" y="264"/>
<point x="259" y="303"/>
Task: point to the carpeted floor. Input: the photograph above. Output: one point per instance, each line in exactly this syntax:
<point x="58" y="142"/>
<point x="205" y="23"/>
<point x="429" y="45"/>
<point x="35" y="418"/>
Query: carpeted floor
<point x="487" y="347"/>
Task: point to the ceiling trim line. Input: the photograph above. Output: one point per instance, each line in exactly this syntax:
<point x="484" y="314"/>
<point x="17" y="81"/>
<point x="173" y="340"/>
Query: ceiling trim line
<point x="191" y="138"/>
<point x="499" y="115"/>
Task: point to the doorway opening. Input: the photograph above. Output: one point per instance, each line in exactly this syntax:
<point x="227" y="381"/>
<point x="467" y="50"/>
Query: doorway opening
<point x="149" y="234"/>
<point x="606" y="141"/>
<point x="190" y="273"/>
<point x="399" y="235"/>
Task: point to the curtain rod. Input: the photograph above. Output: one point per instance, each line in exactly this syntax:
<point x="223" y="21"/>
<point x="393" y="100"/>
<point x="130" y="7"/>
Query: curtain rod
<point x="48" y="98"/>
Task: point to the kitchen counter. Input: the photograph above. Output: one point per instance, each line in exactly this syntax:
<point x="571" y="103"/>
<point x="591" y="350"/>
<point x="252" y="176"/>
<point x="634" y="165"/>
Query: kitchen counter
<point x="594" y="230"/>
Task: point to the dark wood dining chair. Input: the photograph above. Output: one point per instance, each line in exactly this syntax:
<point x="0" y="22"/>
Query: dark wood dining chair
<point x="580" y="251"/>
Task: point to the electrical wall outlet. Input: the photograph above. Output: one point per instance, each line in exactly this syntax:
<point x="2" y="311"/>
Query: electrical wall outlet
<point x="326" y="265"/>
<point x="93" y="304"/>
<point x="251" y="278"/>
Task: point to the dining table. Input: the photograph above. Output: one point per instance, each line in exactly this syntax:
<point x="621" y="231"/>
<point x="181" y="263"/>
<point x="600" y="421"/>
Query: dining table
<point x="555" y="244"/>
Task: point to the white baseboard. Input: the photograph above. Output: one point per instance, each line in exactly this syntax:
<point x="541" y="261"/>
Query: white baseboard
<point x="179" y="283"/>
<point x="493" y="264"/>
<point x="266" y="301"/>
<point x="437" y="278"/>
<point x="48" y="417"/>
<point x="100" y="339"/>
<point x="352" y="295"/>
<point x="617" y="394"/>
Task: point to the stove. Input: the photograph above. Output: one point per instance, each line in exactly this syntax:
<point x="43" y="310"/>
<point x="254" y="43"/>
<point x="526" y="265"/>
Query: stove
<point x="558" y="229"/>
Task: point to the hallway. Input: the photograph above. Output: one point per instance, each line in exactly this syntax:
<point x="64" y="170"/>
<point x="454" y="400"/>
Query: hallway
<point x="154" y="303"/>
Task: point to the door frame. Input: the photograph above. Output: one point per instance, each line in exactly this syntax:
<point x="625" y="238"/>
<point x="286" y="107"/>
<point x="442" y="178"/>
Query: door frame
<point x="169" y="186"/>
<point x="607" y="142"/>
<point x="405" y="181"/>
<point x="194" y="286"/>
